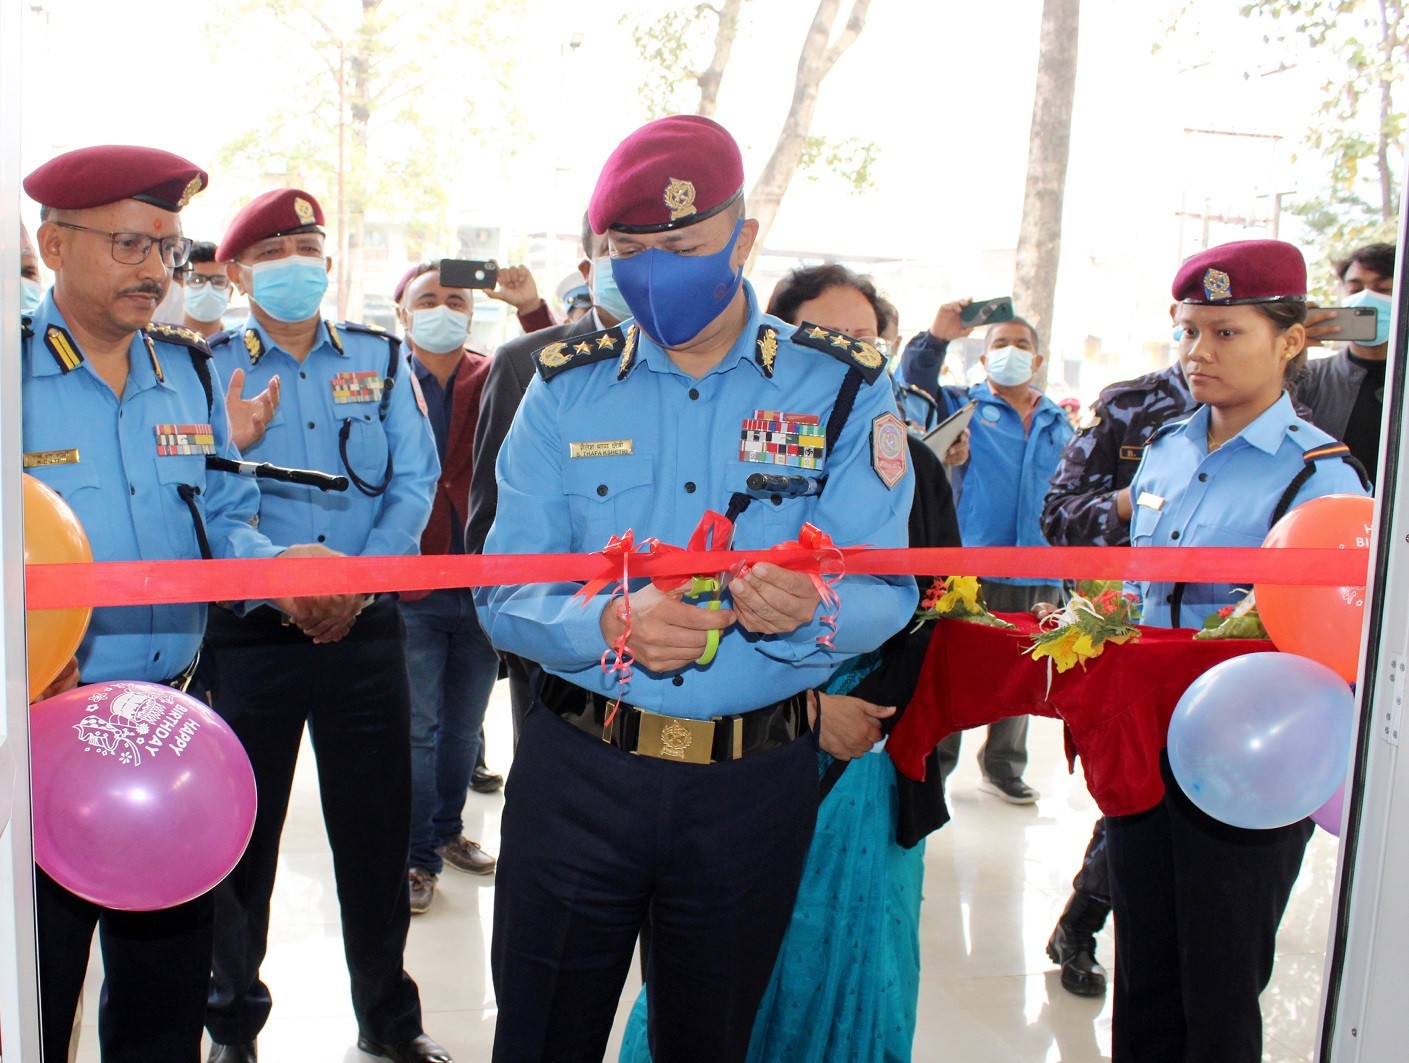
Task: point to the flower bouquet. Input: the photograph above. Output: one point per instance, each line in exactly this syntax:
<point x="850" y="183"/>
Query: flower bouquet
<point x="956" y="598"/>
<point x="1237" y="621"/>
<point x="1079" y="632"/>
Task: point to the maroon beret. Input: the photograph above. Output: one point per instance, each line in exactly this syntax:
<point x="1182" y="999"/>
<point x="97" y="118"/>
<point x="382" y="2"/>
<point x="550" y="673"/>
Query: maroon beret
<point x="1245" y="271"/>
<point x="670" y="173"/>
<point x="412" y="272"/>
<point x="278" y="213"/>
<point x="108" y="173"/>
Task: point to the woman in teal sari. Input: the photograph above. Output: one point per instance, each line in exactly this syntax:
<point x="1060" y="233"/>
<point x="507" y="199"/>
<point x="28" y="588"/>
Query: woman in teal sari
<point x="847" y="979"/>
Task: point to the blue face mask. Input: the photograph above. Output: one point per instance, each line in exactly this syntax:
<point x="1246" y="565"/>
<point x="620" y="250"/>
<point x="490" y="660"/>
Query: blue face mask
<point x="605" y="293"/>
<point x="1382" y="305"/>
<point x="206" y="302"/>
<point x="31" y="295"/>
<point x="439" y="329"/>
<point x="290" y="289"/>
<point x="675" y="297"/>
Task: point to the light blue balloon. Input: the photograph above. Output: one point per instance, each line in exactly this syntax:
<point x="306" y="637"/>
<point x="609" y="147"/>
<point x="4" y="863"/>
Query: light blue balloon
<point x="1262" y="740"/>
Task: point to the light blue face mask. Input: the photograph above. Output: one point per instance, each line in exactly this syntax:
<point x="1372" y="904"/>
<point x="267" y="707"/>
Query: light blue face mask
<point x="1382" y="305"/>
<point x="605" y="294"/>
<point x="31" y="295"/>
<point x="292" y="288"/>
<point x="1009" y="366"/>
<point x="206" y="302"/>
<point x="439" y="329"/>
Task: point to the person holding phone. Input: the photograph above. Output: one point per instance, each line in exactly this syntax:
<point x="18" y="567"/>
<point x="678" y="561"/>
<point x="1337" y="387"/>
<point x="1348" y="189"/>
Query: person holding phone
<point x="1016" y="439"/>
<point x="1345" y="392"/>
<point x="1197" y="902"/>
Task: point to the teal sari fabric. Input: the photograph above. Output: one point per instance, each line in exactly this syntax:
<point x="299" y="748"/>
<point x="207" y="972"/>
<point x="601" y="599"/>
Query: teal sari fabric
<point x="847" y="979"/>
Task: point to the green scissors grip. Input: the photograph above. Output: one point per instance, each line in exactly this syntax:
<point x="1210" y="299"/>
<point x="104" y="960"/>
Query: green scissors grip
<point x="699" y="586"/>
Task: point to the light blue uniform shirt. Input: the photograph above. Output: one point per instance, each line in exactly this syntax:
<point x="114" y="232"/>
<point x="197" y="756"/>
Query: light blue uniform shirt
<point x="1185" y="496"/>
<point x="684" y="436"/>
<point x="1000" y="491"/>
<point x="316" y="398"/>
<point x="125" y="494"/>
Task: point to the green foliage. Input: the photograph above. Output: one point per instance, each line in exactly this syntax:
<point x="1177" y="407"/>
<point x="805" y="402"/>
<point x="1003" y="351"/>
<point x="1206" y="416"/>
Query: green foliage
<point x="1360" y="125"/>
<point x="850" y="159"/>
<point x="363" y="68"/>
<point x="674" y="48"/>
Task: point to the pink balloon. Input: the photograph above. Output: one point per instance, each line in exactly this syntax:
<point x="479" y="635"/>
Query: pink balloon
<point x="1328" y="816"/>
<point x="143" y="796"/>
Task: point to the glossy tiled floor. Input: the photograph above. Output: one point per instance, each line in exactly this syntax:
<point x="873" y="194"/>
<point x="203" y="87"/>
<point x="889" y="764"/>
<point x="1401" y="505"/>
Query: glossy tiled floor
<point x="995" y="881"/>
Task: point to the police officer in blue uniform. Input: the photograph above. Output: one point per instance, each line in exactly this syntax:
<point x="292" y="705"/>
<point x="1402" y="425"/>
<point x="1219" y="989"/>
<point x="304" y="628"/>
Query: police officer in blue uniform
<point x="1197" y="902"/>
<point x="693" y="799"/>
<point x="349" y="405"/>
<point x="119" y="416"/>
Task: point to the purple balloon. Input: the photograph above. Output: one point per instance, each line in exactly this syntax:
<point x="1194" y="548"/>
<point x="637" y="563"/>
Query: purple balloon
<point x="1328" y="816"/>
<point x="143" y="796"/>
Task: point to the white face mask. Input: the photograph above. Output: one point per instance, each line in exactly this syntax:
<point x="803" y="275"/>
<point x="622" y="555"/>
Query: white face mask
<point x="1009" y="366"/>
<point x="172" y="307"/>
<point x="439" y="329"/>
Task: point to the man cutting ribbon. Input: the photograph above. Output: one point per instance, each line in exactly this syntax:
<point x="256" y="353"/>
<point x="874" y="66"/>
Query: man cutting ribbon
<point x="645" y="427"/>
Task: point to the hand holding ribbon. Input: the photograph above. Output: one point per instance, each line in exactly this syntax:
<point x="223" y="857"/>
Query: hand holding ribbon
<point x="771" y="600"/>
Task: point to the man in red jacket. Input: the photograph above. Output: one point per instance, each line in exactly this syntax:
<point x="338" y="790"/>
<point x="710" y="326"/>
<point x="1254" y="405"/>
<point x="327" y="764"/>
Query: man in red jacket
<point x="451" y="663"/>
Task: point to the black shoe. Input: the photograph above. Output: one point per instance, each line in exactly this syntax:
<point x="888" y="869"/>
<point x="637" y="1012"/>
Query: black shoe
<point x="1014" y="791"/>
<point x="420" y="1049"/>
<point x="1072" y="946"/>
<point x="244" y="1053"/>
<point x="484" y="781"/>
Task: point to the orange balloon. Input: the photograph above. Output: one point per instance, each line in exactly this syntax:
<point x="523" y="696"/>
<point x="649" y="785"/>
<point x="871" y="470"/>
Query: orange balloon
<point x="1322" y="623"/>
<point x="52" y="535"/>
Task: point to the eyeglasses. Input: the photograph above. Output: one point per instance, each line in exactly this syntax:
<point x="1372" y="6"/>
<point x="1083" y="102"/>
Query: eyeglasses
<point x="218" y="281"/>
<point x="132" y="249"/>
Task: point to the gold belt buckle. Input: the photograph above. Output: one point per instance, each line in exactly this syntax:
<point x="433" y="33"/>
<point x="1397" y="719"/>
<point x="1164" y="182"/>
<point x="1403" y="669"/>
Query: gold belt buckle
<point x="671" y="738"/>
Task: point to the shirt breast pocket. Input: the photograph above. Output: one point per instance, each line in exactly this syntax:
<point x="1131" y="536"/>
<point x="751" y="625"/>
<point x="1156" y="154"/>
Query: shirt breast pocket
<point x="1143" y="522"/>
<point x="367" y="448"/>
<point x="79" y="485"/>
<point x="1227" y="535"/>
<point x="178" y="475"/>
<point x="607" y="496"/>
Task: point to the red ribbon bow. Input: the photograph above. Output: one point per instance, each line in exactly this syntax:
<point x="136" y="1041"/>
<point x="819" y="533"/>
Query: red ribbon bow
<point x="828" y="569"/>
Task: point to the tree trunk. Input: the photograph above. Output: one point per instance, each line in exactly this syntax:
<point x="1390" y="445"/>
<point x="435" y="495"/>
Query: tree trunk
<point x="816" y="60"/>
<point x="710" y="78"/>
<point x="1390" y="15"/>
<point x="1049" y="140"/>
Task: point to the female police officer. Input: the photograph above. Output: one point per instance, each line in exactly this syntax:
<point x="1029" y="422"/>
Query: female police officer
<point x="1197" y="902"/>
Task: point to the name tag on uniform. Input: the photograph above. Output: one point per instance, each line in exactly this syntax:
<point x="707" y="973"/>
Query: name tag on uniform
<point x="357" y="387"/>
<point x="792" y="439"/>
<point x="602" y="448"/>
<point x="38" y="459"/>
<point x="1131" y="453"/>
<point x="1147" y="500"/>
<point x="174" y="440"/>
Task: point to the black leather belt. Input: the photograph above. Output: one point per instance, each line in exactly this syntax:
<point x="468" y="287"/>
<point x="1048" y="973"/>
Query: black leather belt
<point x="652" y="734"/>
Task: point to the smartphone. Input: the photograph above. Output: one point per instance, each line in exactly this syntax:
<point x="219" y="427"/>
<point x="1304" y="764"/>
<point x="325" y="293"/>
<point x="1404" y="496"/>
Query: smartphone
<point x="1353" y="322"/>
<point x="471" y="273"/>
<point x="988" y="312"/>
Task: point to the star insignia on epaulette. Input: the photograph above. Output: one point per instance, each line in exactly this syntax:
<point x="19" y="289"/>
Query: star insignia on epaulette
<point x="862" y="357"/>
<point x="254" y="345"/>
<point x="176" y="333"/>
<point x="594" y="347"/>
<point x="767" y="349"/>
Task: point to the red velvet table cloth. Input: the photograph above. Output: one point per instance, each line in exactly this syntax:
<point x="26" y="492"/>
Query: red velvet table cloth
<point x="1116" y="710"/>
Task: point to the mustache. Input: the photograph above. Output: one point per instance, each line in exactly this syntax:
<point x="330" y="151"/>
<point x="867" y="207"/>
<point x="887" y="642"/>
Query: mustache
<point x="149" y="288"/>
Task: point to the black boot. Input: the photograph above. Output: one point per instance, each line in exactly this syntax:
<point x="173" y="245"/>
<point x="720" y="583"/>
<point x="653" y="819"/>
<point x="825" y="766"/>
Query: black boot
<point x="1073" y="945"/>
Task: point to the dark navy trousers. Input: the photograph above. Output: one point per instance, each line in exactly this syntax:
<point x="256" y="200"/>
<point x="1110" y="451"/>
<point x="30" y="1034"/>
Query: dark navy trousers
<point x="595" y="840"/>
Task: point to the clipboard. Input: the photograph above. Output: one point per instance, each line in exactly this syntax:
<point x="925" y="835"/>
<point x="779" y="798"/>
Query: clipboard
<point x="945" y="434"/>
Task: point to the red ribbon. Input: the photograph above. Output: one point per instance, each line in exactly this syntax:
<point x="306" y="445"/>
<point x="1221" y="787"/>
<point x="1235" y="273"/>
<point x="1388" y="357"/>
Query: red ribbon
<point x="617" y="658"/>
<point x="162" y="582"/>
<point x="827" y="568"/>
<point x="714" y="533"/>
